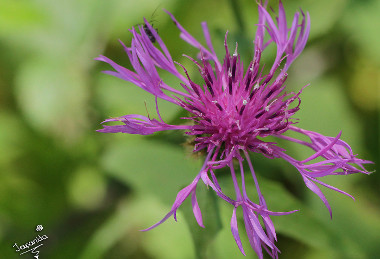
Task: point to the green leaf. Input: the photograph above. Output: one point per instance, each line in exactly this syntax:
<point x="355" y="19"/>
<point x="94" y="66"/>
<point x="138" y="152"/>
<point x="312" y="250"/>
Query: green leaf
<point x="86" y="188"/>
<point x="361" y="18"/>
<point x="150" y="167"/>
<point x="53" y="98"/>
<point x="16" y="17"/>
<point x="120" y="235"/>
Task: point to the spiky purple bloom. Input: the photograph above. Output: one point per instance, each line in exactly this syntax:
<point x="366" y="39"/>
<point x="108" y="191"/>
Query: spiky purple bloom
<point x="232" y="113"/>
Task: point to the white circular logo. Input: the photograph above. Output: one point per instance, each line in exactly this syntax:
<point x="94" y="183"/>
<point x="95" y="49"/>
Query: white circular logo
<point x="39" y="228"/>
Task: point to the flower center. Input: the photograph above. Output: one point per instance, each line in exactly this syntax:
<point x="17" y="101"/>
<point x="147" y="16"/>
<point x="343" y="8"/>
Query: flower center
<point x="234" y="107"/>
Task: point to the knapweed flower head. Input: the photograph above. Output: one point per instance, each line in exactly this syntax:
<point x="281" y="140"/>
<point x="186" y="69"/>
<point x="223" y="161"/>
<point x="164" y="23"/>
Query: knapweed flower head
<point x="232" y="112"/>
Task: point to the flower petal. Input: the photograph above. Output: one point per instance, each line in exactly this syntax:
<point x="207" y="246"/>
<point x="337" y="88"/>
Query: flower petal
<point x="138" y="124"/>
<point x="314" y="188"/>
<point x="196" y="209"/>
<point x="181" y="196"/>
<point x="235" y="231"/>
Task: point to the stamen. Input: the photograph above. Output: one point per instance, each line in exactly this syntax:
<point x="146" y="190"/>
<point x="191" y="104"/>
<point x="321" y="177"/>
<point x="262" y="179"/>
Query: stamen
<point x="219" y="107"/>
<point x="229" y="82"/>
<point x="209" y="86"/>
<point x="238" y="124"/>
<point x="241" y="110"/>
<point x="236" y="46"/>
<point x="259" y="114"/>
<point x="269" y="94"/>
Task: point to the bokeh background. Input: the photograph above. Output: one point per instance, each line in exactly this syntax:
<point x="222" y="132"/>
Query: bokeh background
<point x="92" y="192"/>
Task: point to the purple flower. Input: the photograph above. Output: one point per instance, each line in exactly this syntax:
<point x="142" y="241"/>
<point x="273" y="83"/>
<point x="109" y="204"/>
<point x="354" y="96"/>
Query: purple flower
<point x="232" y="112"/>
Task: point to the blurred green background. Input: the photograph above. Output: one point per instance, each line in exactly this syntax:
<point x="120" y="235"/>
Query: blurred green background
<point x="92" y="192"/>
